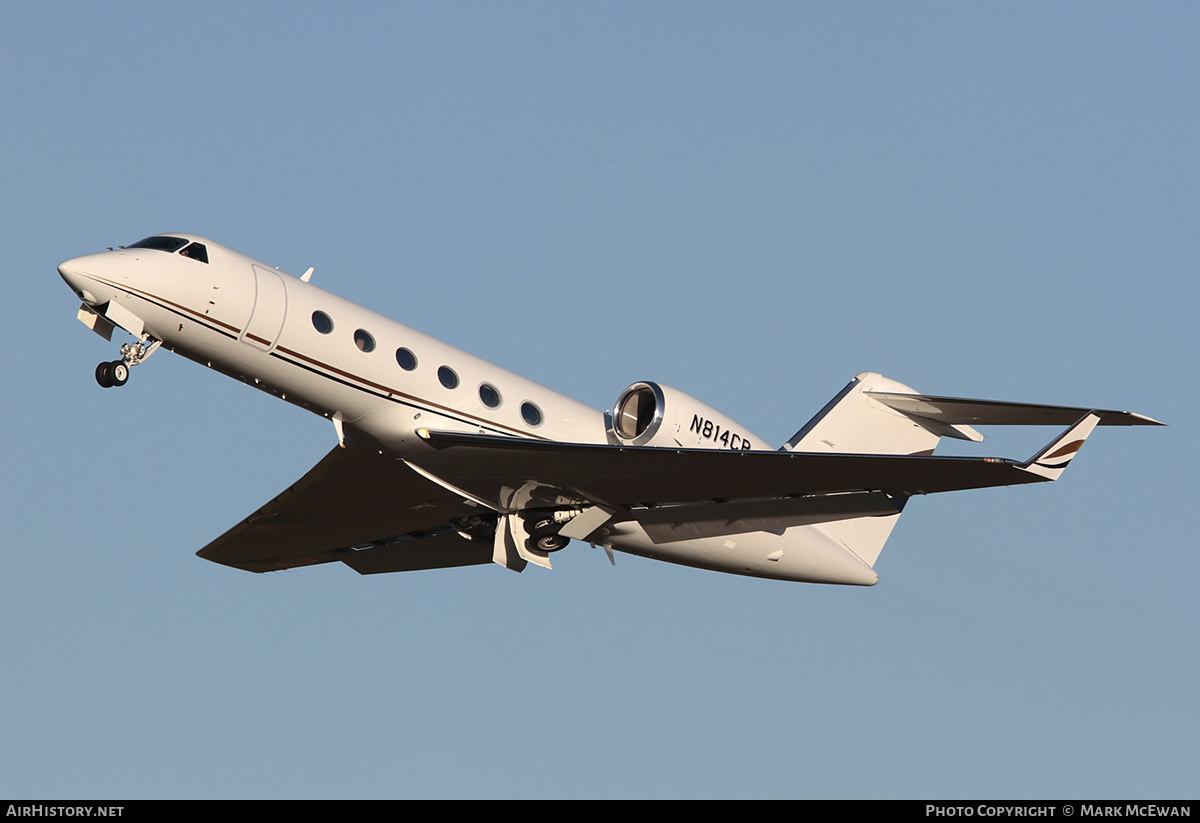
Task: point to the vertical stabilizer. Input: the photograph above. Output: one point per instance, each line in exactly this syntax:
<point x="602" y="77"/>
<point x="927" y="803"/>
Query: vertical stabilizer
<point x="855" y="423"/>
<point x="864" y="536"/>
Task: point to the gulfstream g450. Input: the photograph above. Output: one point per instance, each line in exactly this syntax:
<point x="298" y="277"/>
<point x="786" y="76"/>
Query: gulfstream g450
<point x="443" y="459"/>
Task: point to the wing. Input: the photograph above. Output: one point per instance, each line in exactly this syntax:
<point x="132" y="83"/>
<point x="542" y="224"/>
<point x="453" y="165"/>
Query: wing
<point x="499" y="471"/>
<point x="365" y="509"/>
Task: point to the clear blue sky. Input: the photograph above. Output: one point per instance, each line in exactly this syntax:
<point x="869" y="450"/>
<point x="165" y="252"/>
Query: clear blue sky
<point x="751" y="202"/>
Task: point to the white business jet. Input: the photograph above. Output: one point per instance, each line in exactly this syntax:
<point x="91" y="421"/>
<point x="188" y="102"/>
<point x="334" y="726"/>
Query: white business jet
<point x="446" y="460"/>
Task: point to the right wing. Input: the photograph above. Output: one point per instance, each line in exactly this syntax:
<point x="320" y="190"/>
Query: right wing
<point x="497" y="470"/>
<point x="368" y="510"/>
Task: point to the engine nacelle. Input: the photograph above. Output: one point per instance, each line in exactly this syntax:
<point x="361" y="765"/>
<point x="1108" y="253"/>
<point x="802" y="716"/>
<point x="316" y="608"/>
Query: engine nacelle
<point x="651" y="414"/>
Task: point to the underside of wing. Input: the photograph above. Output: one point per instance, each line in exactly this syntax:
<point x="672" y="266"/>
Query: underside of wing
<point x="511" y="474"/>
<point x="414" y="552"/>
<point x="688" y="521"/>
<point x="368" y="510"/>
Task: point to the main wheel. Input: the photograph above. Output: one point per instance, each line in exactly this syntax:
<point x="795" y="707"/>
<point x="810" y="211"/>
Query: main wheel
<point x="544" y="536"/>
<point x="539" y="524"/>
<point x="547" y="542"/>
<point x="118" y="372"/>
<point x="104" y="375"/>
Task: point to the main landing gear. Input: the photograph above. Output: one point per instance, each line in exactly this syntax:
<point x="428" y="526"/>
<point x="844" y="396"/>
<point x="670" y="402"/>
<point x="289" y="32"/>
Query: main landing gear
<point x="116" y="373"/>
<point x="543" y="533"/>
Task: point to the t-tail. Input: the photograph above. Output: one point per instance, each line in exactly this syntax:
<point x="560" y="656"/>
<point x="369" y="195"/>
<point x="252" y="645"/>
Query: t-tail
<point x="875" y="415"/>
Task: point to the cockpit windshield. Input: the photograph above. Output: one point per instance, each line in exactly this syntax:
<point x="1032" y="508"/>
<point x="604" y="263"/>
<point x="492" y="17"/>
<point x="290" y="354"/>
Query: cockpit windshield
<point x="161" y="243"/>
<point x="196" y="251"/>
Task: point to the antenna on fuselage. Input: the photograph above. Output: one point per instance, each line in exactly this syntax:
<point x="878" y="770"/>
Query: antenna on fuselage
<point x="307" y="274"/>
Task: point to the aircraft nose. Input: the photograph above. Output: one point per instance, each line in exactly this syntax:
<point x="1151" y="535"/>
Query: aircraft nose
<point x="78" y="274"/>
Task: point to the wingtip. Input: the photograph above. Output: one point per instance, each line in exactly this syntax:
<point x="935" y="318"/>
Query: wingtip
<point x="1053" y="460"/>
<point x="1125" y="418"/>
<point x="1143" y="420"/>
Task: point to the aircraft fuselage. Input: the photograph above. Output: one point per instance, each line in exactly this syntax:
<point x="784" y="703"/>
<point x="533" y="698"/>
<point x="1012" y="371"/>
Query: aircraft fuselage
<point x="818" y="509"/>
<point x="256" y="324"/>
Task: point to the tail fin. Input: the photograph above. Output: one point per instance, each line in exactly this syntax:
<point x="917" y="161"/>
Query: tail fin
<point x="875" y="415"/>
<point x="856" y="422"/>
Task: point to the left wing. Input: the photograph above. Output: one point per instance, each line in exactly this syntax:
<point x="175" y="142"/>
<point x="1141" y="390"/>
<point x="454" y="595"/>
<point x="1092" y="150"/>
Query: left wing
<point x="368" y="510"/>
<point x="377" y="514"/>
<point x="494" y="469"/>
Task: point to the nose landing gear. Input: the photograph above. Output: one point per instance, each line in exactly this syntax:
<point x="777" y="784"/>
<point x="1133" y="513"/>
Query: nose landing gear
<point x="112" y="374"/>
<point x="116" y="373"/>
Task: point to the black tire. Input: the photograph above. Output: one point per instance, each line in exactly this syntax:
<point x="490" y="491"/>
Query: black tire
<point x="547" y="542"/>
<point x="118" y="372"/>
<point x="104" y="375"/>
<point x="544" y="536"/>
<point x="540" y="524"/>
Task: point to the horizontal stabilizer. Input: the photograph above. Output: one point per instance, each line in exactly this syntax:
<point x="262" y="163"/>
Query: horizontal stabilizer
<point x="960" y="410"/>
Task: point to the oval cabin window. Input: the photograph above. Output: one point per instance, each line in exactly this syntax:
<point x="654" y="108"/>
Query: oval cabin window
<point x="406" y="359"/>
<point x="490" y="395"/>
<point x="322" y="322"/>
<point x="364" y="340"/>
<point x="531" y="414"/>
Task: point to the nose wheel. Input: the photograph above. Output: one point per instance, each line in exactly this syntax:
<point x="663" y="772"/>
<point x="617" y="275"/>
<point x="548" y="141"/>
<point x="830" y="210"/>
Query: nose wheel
<point x="112" y="374"/>
<point x="116" y="373"/>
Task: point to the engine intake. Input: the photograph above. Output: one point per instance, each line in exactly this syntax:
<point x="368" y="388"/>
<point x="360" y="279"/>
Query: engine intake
<point x="651" y="414"/>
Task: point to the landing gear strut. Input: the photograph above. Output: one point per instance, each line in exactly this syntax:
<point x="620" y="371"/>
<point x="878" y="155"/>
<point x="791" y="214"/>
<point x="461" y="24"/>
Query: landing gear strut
<point x="116" y="373"/>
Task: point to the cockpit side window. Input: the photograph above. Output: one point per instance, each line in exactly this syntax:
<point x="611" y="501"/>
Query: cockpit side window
<point x="160" y="243"/>
<point x="196" y="251"/>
